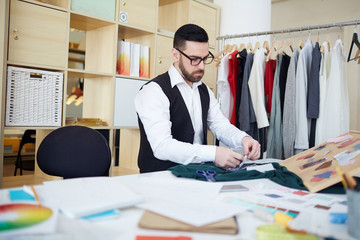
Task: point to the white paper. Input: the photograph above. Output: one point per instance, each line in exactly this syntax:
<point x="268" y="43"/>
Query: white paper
<point x="85" y="196"/>
<point x="261" y="168"/>
<point x="190" y="210"/>
<point x="188" y="201"/>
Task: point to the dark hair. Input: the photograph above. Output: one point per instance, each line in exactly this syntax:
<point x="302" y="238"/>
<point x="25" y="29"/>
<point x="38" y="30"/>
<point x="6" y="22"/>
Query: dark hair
<point x="189" y="32"/>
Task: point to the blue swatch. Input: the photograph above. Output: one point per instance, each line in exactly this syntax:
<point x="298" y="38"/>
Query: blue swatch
<point x="20" y="195"/>
<point x="357" y="146"/>
<point x="273" y="195"/>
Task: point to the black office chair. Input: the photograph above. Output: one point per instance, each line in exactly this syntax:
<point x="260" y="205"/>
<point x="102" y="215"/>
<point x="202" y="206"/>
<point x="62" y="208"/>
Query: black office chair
<point x="29" y="136"/>
<point x="74" y="151"/>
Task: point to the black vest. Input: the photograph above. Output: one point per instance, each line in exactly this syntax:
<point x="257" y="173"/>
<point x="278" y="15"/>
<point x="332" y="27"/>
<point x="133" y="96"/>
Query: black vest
<point x="181" y="129"/>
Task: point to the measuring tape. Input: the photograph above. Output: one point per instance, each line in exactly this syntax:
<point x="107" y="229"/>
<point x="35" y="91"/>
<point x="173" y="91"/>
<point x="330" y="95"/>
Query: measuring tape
<point x="276" y="231"/>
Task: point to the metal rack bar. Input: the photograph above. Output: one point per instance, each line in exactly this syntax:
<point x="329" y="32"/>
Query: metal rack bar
<point x="289" y="30"/>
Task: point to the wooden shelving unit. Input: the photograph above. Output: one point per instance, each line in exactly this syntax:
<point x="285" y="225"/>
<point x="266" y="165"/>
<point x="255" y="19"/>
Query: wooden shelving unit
<point x="38" y="38"/>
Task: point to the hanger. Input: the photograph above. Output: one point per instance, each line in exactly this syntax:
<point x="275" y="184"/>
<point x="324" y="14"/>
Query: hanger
<point x="280" y="47"/>
<point x="249" y="47"/>
<point x="318" y="36"/>
<point x="272" y="50"/>
<point x="241" y="47"/>
<point x="266" y="46"/>
<point x="289" y="45"/>
<point x="300" y="43"/>
<point x="355" y="40"/>
<point x="219" y="56"/>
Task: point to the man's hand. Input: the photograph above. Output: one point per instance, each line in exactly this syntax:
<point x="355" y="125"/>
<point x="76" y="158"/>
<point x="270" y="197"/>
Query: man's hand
<point x="227" y="158"/>
<point x="251" y="148"/>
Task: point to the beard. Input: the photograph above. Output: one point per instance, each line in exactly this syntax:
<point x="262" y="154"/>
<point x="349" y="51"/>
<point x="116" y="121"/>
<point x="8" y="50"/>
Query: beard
<point x="190" y="76"/>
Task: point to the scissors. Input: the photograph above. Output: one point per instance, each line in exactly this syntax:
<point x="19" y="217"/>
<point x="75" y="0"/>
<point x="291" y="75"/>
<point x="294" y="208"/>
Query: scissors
<point x="209" y="174"/>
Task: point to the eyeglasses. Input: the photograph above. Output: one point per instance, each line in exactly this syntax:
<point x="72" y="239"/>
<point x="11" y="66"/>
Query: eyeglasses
<point x="194" y="61"/>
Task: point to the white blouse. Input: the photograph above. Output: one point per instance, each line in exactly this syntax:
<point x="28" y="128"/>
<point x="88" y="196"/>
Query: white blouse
<point x="225" y="97"/>
<point x="336" y="106"/>
<point x="256" y="87"/>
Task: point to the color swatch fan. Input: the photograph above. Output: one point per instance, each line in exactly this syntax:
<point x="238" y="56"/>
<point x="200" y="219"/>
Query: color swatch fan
<point x="22" y="218"/>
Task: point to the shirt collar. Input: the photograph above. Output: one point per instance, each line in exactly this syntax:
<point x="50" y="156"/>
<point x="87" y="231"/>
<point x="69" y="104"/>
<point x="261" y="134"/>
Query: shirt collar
<point x="176" y="78"/>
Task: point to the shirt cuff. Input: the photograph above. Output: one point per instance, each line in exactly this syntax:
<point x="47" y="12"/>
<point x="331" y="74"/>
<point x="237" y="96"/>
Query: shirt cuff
<point x="207" y="153"/>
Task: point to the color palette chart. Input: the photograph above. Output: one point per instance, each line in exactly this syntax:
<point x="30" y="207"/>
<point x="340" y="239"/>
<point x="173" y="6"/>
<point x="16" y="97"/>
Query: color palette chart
<point x="317" y="166"/>
<point x="22" y="215"/>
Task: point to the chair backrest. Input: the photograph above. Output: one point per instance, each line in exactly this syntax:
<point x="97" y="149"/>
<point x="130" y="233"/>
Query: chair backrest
<point x="29" y="136"/>
<point x="74" y="151"/>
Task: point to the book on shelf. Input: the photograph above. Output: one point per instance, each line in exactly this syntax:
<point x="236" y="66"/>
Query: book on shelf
<point x="144" y="62"/>
<point x="123" y="58"/>
<point x="135" y="59"/>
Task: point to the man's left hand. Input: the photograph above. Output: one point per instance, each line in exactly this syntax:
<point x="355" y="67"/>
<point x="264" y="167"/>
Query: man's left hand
<point x="252" y="148"/>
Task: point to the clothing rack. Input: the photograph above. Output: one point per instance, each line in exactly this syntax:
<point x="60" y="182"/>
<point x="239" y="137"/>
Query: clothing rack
<point x="289" y="30"/>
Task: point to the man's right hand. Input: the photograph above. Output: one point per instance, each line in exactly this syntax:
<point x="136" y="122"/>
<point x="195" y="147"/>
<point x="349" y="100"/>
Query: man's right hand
<point x="227" y="158"/>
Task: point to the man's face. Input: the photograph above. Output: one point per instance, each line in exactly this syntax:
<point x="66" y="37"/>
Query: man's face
<point x="192" y="49"/>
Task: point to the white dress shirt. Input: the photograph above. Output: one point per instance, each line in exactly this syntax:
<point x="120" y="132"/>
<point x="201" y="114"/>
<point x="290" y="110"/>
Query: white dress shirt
<point x="152" y="106"/>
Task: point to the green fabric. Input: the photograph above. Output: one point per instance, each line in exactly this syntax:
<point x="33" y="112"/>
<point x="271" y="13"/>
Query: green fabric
<point x="279" y="175"/>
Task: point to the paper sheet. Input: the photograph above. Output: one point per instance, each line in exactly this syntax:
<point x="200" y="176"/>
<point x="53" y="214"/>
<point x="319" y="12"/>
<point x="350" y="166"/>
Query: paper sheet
<point x="85" y="196"/>
<point x="261" y="168"/>
<point x="185" y="200"/>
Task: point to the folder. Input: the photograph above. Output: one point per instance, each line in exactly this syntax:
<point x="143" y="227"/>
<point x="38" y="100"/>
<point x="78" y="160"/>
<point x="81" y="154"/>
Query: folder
<point x="150" y="220"/>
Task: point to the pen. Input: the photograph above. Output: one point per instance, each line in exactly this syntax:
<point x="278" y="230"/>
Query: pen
<point x="350" y="181"/>
<point x="339" y="172"/>
<point x="35" y="195"/>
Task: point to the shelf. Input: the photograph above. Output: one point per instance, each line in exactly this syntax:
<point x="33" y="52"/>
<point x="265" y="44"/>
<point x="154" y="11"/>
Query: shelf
<point x="76" y="73"/>
<point x="132" y="32"/>
<point x="61" y="5"/>
<point x="86" y="22"/>
<point x="131" y="77"/>
<point x="74" y="50"/>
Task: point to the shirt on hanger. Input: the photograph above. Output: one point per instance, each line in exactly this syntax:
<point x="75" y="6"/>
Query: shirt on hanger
<point x="336" y="106"/>
<point x="289" y="127"/>
<point x="241" y="57"/>
<point x="247" y="119"/>
<point x="302" y="77"/>
<point x="256" y="87"/>
<point x="268" y="82"/>
<point x="314" y="93"/>
<point x="224" y="93"/>
<point x="323" y="76"/>
<point x="274" y="143"/>
<point x="232" y="78"/>
<point x="282" y="78"/>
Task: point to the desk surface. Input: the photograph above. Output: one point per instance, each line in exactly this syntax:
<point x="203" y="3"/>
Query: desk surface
<point x="125" y="227"/>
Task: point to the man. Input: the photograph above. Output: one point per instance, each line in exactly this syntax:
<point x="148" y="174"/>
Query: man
<point x="176" y="108"/>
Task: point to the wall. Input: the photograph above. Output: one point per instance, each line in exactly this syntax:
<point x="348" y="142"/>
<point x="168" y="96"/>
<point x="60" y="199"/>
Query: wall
<point x="237" y="17"/>
<point x="287" y="14"/>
